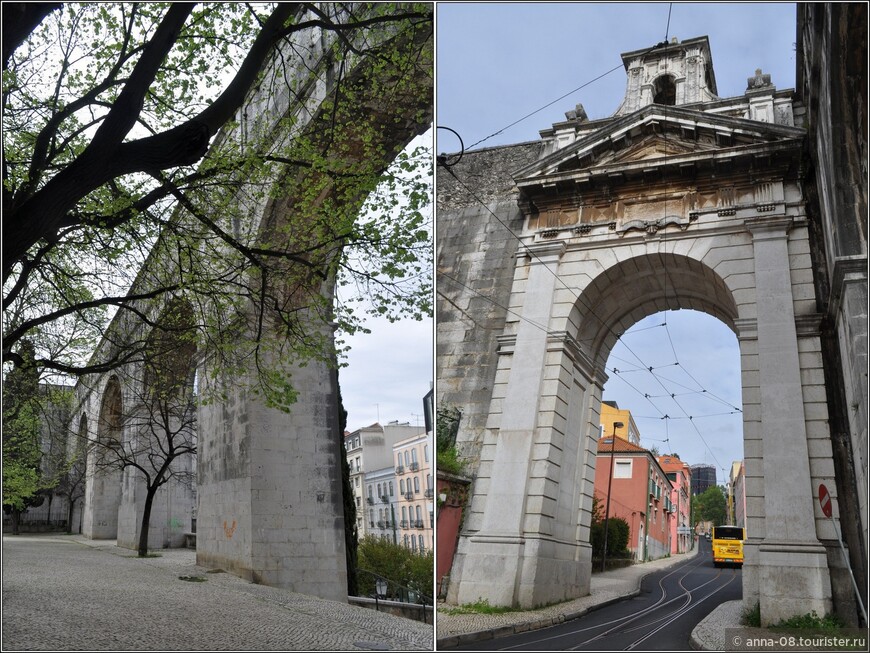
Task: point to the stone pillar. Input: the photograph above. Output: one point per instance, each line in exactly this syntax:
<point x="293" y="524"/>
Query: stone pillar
<point x="792" y="565"/>
<point x="513" y="559"/>
<point x="270" y="505"/>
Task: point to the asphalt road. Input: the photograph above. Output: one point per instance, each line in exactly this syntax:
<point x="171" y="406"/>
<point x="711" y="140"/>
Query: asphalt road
<point x="661" y="617"/>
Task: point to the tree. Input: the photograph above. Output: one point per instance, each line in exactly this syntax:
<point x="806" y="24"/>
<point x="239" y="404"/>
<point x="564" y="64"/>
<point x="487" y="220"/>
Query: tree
<point x="159" y="420"/>
<point x="22" y="453"/>
<point x="617" y="532"/>
<point x="402" y="568"/>
<point x="114" y="155"/>
<point x="710" y="506"/>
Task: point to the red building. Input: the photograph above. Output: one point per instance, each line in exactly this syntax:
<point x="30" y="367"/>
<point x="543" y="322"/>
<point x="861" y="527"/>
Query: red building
<point x="640" y="493"/>
<point x="680" y="476"/>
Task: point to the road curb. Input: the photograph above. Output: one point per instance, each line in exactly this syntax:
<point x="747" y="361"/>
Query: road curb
<point x="453" y="641"/>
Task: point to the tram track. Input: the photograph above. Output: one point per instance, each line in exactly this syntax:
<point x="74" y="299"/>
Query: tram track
<point x="674" y="595"/>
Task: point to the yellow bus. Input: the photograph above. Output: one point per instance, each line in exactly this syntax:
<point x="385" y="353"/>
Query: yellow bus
<point x="728" y="545"/>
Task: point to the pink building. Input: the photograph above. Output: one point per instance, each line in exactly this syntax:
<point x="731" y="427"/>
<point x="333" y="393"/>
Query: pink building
<point x="639" y="493"/>
<point x="680" y="476"/>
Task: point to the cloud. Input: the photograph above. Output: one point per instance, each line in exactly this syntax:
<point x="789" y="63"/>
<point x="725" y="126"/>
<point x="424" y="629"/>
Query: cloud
<point x="389" y="372"/>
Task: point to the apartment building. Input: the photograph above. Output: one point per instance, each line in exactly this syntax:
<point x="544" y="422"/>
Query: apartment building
<point x="369" y="452"/>
<point x="415" y="470"/>
<point x="639" y="492"/>
<point x="679" y="474"/>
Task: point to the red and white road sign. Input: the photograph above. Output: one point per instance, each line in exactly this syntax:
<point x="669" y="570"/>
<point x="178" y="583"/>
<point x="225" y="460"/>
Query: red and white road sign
<point x="825" y="500"/>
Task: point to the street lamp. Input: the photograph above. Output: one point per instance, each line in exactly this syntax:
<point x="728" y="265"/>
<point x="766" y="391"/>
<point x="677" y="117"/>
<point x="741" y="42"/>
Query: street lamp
<point x="380" y="590"/>
<point x="616" y="425"/>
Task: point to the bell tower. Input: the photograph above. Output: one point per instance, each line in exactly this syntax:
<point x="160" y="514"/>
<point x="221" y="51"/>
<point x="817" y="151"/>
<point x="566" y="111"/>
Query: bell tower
<point x="670" y="74"/>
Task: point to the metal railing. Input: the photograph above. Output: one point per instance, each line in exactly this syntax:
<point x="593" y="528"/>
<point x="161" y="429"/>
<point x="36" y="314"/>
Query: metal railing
<point x="373" y="585"/>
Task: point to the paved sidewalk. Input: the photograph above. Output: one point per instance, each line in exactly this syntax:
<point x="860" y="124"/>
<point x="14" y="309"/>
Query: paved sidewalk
<point x="64" y="592"/>
<point x="608" y="587"/>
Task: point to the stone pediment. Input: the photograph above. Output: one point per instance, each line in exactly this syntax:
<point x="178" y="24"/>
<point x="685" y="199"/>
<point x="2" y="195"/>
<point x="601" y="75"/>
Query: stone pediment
<point x="653" y="137"/>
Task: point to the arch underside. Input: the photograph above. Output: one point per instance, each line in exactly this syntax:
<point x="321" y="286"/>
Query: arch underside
<point x="638" y="287"/>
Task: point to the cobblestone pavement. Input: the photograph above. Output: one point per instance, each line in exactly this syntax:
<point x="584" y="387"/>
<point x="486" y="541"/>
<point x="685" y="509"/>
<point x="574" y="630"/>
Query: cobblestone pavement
<point x="64" y="593"/>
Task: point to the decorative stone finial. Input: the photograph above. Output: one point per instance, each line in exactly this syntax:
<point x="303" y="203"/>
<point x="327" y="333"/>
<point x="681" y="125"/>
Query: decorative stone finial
<point x="759" y="81"/>
<point x="578" y="113"/>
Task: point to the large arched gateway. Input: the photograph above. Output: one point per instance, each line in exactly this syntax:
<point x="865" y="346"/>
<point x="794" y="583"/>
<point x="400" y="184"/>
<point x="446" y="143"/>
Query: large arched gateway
<point x="693" y="203"/>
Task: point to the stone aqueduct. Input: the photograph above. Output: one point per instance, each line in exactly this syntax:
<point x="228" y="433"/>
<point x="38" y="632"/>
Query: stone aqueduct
<point x="548" y="250"/>
<point x="267" y="501"/>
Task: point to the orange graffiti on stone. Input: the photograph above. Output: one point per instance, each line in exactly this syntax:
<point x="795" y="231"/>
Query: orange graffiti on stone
<point x="230" y="530"/>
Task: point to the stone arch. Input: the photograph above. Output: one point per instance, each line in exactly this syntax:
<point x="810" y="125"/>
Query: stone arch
<point x="643" y="285"/>
<point x="531" y="510"/>
<point x="104" y="482"/>
<point x="170" y="351"/>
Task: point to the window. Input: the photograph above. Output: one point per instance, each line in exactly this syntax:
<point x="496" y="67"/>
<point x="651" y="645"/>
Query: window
<point x="413" y="543"/>
<point x="407" y="459"/>
<point x="391" y="488"/>
<point x="426" y="452"/>
<point x="370" y="491"/>
<point x="404" y="514"/>
<point x="414" y="455"/>
<point x="357" y="464"/>
<point x="380" y="494"/>
<point x="428" y="481"/>
<point x="357" y="503"/>
<point x="417" y="484"/>
<point x="401" y="486"/>
<point x="421" y="543"/>
<point x="419" y="514"/>
<point x="398" y="460"/>
<point x="371" y="515"/>
<point x="357" y="481"/>
<point x="622" y="469"/>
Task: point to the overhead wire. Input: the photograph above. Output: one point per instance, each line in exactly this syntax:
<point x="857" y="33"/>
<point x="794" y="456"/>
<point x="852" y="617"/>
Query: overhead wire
<point x="581" y="300"/>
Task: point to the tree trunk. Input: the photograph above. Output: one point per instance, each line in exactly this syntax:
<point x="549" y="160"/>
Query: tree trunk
<point x="16" y="520"/>
<point x="69" y="515"/>
<point x="146" y="518"/>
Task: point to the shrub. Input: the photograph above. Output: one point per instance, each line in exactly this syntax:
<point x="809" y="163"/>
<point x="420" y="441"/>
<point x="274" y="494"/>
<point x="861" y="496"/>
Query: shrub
<point x="402" y="568"/>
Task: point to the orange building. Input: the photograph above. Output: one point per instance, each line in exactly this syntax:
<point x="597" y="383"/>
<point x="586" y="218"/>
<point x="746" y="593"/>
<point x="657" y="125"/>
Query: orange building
<point x="640" y="493"/>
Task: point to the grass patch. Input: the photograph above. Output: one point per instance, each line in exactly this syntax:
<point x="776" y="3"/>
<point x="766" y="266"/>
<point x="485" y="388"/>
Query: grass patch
<point x="447" y="460"/>
<point x="481" y="606"/>
<point x="215" y="571"/>
<point x="812" y="621"/>
<point x="193" y="579"/>
<point x="751" y="617"/>
<point x="152" y="555"/>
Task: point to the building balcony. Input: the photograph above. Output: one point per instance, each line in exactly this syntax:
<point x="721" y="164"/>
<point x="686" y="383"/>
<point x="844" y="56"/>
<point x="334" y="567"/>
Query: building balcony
<point x="403" y="523"/>
<point x="370" y="501"/>
<point x="419" y="524"/>
<point x="409" y="495"/>
<point x="414" y="467"/>
<point x="385" y="498"/>
<point x="429" y="493"/>
<point x="400" y="470"/>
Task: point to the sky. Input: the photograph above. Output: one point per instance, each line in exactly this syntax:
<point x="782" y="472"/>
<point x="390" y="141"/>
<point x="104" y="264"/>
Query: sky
<point x="499" y="62"/>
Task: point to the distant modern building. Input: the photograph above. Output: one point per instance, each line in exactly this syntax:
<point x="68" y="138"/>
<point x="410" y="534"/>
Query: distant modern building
<point x="610" y="415"/>
<point x="639" y="493"/>
<point x="703" y="477"/>
<point x="680" y="476"/>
